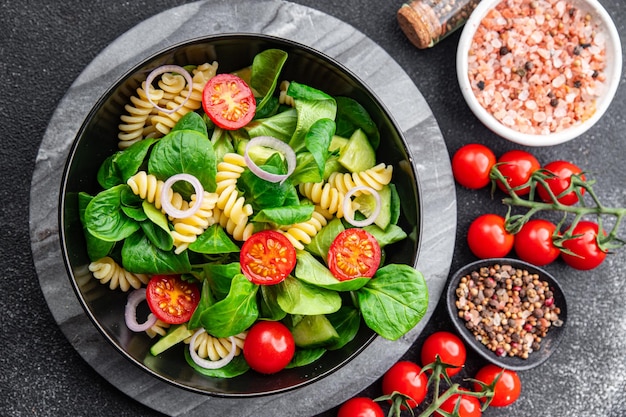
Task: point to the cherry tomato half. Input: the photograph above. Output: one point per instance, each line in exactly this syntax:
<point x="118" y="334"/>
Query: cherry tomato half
<point x="563" y="171"/>
<point x="448" y="346"/>
<point x="407" y="378"/>
<point x="507" y="389"/>
<point x="586" y="253"/>
<point x="471" y="165"/>
<point x="487" y="237"/>
<point x="267" y="257"/>
<point x="360" y="407"/>
<point x="228" y="101"/>
<point x="517" y="166"/>
<point x="171" y="299"/>
<point x="268" y="347"/>
<point x="534" y="244"/>
<point x="354" y="253"/>
<point x="469" y="406"/>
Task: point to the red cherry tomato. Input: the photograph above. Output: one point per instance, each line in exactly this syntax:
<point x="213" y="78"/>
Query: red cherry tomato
<point x="448" y="347"/>
<point x="471" y="165"/>
<point x="360" y="407"/>
<point x="171" y="299"/>
<point x="586" y="253"/>
<point x="507" y="389"/>
<point x="228" y="101"/>
<point x="469" y="406"/>
<point x="354" y="253"/>
<point x="534" y="244"/>
<point x="268" y="347"/>
<point x="267" y="257"/>
<point x="563" y="171"/>
<point x="517" y="166"/>
<point x="406" y="378"/>
<point x="487" y="237"/>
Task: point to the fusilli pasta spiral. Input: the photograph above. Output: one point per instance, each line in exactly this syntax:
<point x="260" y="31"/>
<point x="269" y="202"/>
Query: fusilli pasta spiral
<point x="106" y="270"/>
<point x="283" y="98"/>
<point x="187" y="229"/>
<point x="215" y="348"/>
<point x="132" y="128"/>
<point x="160" y="328"/>
<point x="149" y="188"/>
<point x="300" y="234"/>
<point x="325" y="195"/>
<point x="375" y="177"/>
<point x="231" y="211"/>
<point x="164" y="122"/>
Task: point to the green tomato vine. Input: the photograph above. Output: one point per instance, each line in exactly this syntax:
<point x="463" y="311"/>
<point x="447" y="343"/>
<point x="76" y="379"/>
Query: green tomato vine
<point x="588" y="205"/>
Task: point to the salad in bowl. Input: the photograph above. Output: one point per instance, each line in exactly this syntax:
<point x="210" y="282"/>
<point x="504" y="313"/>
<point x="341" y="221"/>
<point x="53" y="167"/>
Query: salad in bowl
<point x="240" y="225"/>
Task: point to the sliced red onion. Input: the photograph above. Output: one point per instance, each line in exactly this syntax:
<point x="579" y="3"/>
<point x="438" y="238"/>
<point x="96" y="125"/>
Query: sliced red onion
<point x="276" y="144"/>
<point x="130" y="312"/>
<point x="166" y="203"/>
<point x="348" y="213"/>
<point x="206" y="363"/>
<point x="162" y="70"/>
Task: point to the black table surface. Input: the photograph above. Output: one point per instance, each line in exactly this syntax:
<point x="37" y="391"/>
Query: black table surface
<point x="45" y="45"/>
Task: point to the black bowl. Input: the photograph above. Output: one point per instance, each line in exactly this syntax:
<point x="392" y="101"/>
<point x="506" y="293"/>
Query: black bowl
<point x="549" y="342"/>
<point x="97" y="139"/>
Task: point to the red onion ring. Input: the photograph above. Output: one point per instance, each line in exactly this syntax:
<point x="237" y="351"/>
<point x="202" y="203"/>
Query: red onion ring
<point x="348" y="213"/>
<point x="166" y="204"/>
<point x="206" y="363"/>
<point x="162" y="70"/>
<point x="130" y="312"/>
<point x="278" y="145"/>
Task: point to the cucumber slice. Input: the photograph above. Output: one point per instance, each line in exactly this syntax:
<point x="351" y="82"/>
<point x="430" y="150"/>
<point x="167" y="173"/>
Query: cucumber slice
<point x="366" y="204"/>
<point x="175" y="335"/>
<point x="314" y="331"/>
<point x="337" y="143"/>
<point x="357" y="155"/>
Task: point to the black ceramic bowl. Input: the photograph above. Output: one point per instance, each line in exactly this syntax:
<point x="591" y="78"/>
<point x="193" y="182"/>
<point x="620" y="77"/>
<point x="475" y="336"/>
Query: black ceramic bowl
<point x="549" y="343"/>
<point x="97" y="139"/>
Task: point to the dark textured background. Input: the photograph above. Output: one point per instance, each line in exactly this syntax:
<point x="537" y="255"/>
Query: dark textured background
<point x="44" y="45"/>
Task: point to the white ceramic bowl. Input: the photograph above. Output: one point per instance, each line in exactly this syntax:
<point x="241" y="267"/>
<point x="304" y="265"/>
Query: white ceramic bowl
<point x="612" y="73"/>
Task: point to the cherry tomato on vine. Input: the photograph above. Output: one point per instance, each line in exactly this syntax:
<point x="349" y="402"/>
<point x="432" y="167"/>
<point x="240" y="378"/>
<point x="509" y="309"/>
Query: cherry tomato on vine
<point x="534" y="244"/>
<point x="268" y="347"/>
<point x="586" y="253"/>
<point x="448" y="346"/>
<point x="469" y="407"/>
<point x="354" y="253"/>
<point x="507" y="389"/>
<point x="563" y="171"/>
<point x="406" y="378"/>
<point x="517" y="166"/>
<point x="471" y="165"/>
<point x="171" y="299"/>
<point x="488" y="238"/>
<point x="267" y="257"/>
<point x="228" y="101"/>
<point x="360" y="407"/>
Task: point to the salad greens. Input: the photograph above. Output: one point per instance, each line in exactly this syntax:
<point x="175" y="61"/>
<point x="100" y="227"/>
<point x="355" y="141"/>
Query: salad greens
<point x="136" y="234"/>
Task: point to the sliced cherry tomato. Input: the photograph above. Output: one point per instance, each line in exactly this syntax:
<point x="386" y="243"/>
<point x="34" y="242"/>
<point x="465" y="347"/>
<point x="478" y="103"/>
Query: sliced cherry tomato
<point x="469" y="406"/>
<point x="517" y="166"/>
<point x="508" y="388"/>
<point x="407" y="378"/>
<point x="471" y="165"/>
<point x="360" y="407"/>
<point x="586" y="253"/>
<point x="171" y="299"/>
<point x="534" y="243"/>
<point x="228" y="101"/>
<point x="354" y="253"/>
<point x="268" y="347"/>
<point x="488" y="238"/>
<point x="267" y="257"/>
<point x="448" y="346"/>
<point x="563" y="171"/>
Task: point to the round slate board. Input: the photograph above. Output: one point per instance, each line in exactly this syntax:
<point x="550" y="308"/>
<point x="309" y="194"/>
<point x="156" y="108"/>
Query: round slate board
<point x="277" y="18"/>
